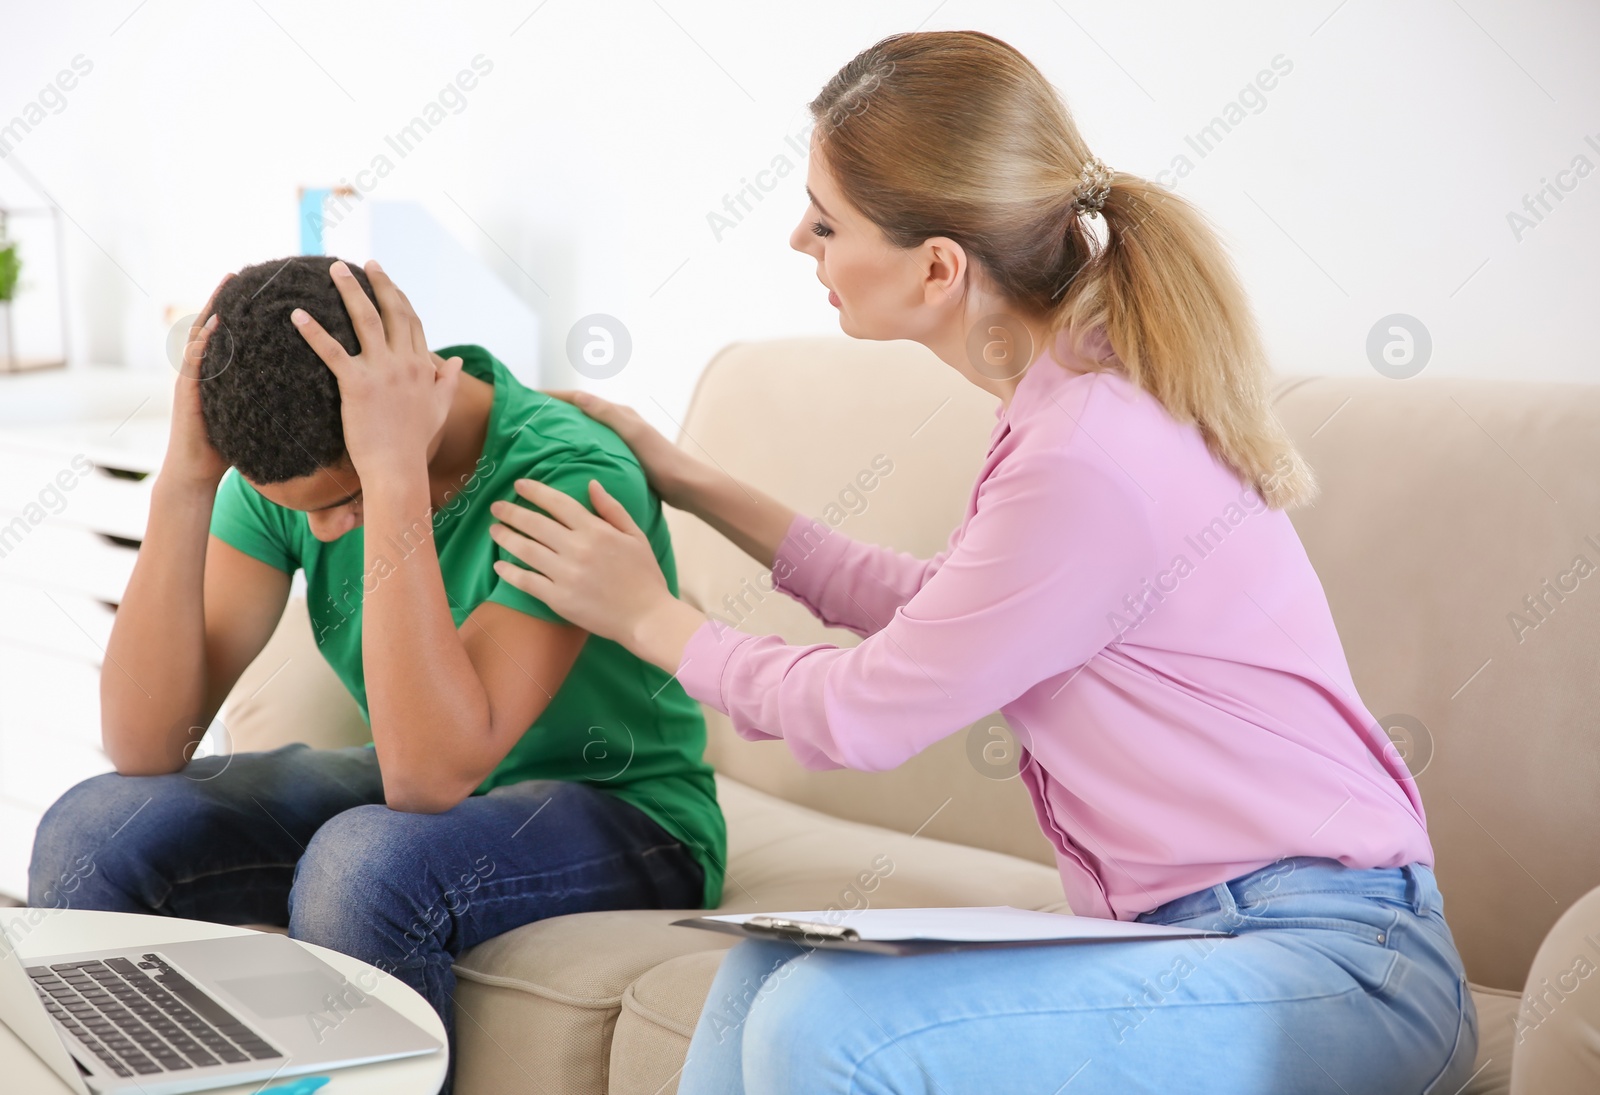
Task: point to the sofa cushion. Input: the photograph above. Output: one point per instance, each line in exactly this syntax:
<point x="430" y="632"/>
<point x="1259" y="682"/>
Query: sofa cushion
<point x="659" y="1012"/>
<point x="1492" y="1071"/>
<point x="537" y="1005"/>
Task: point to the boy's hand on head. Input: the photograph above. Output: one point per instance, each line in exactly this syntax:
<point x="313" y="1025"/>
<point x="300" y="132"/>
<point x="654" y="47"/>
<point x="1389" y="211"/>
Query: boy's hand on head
<point x="190" y="456"/>
<point x="395" y="393"/>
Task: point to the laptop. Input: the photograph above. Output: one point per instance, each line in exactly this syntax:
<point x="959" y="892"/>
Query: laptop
<point x="196" y="1015"/>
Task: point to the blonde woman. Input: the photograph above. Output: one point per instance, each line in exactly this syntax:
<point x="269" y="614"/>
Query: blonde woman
<point x="1126" y="588"/>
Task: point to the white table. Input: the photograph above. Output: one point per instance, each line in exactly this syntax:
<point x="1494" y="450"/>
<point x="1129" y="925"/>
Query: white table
<point x="38" y="932"/>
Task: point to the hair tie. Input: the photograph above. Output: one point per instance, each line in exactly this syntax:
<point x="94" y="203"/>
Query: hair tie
<point x="1094" y="187"/>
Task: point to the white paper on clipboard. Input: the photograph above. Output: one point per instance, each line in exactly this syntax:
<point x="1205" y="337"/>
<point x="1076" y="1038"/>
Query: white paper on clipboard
<point x="990" y="924"/>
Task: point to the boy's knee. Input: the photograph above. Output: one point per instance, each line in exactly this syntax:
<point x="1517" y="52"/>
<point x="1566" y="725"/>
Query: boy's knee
<point x="361" y="844"/>
<point x="73" y="841"/>
<point x="360" y="869"/>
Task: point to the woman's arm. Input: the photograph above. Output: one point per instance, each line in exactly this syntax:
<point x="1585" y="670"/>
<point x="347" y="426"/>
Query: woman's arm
<point x="754" y="520"/>
<point x="845" y="583"/>
<point x="1027" y="594"/>
<point x="751" y="518"/>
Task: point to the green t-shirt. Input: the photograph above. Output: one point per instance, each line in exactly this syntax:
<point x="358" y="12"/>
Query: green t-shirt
<point x="617" y="722"/>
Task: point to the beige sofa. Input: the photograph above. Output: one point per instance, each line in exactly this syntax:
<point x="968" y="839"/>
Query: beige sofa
<point x="1445" y="504"/>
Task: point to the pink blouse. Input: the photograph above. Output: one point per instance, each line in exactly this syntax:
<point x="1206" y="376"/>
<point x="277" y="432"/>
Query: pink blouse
<point x="1152" y="632"/>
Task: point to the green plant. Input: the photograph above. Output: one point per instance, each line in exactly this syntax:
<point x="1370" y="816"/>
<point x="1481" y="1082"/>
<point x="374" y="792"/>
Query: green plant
<point x="10" y="266"/>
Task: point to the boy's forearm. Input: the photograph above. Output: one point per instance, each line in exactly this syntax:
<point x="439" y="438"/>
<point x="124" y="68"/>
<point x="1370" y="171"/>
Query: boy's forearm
<point x="153" y="682"/>
<point x="429" y="709"/>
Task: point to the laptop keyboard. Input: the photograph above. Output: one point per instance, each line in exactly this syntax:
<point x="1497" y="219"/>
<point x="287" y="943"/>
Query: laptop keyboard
<point x="144" y="1019"/>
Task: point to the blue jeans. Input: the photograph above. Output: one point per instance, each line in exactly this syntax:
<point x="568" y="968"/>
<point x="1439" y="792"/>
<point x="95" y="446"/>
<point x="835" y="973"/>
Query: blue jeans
<point x="300" y="837"/>
<point x="1337" y="981"/>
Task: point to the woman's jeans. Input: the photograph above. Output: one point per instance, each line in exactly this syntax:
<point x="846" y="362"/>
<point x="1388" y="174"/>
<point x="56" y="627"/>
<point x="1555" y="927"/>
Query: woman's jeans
<point x="300" y="837"/>
<point x="1336" y="980"/>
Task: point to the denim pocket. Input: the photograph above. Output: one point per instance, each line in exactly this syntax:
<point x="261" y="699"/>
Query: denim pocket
<point x="1352" y="914"/>
<point x="1366" y="947"/>
<point x="1377" y="934"/>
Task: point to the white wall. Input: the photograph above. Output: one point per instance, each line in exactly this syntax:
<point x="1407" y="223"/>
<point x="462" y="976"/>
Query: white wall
<point x="1376" y="179"/>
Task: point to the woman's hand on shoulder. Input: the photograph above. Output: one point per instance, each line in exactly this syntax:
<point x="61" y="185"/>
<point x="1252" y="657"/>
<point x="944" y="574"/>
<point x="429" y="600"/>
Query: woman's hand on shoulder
<point x="670" y="471"/>
<point x="597" y="570"/>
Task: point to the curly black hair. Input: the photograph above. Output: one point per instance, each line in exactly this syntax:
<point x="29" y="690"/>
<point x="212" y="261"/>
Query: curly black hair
<point x="271" y="407"/>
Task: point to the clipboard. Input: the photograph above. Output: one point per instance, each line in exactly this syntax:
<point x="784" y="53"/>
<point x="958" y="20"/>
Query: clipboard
<point x="933" y="930"/>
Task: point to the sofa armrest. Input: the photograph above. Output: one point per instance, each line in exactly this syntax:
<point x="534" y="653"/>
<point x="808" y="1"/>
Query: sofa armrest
<point x="1556" y="1046"/>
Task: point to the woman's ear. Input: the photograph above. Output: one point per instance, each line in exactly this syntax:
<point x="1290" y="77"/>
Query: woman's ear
<point x="944" y="269"/>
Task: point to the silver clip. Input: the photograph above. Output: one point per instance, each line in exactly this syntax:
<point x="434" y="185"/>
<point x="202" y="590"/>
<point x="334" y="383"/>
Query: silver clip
<point x="793" y="929"/>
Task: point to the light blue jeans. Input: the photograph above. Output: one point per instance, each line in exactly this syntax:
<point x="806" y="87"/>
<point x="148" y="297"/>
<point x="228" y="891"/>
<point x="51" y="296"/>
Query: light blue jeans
<point x="1337" y="980"/>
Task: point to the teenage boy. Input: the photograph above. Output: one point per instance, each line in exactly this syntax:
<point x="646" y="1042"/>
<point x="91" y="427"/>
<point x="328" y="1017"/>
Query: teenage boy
<point x="519" y="768"/>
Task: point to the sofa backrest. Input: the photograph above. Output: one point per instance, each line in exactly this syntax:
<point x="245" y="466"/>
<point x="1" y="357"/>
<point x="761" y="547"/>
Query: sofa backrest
<point x="1447" y="507"/>
<point x="1445" y="503"/>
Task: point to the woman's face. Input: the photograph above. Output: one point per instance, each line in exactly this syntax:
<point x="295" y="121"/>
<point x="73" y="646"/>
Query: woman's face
<point x="930" y="293"/>
<point x="879" y="289"/>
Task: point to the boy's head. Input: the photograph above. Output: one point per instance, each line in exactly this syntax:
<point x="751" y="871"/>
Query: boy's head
<point x="271" y="407"/>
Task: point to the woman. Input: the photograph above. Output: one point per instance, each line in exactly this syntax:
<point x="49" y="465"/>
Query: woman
<point x="1126" y="588"/>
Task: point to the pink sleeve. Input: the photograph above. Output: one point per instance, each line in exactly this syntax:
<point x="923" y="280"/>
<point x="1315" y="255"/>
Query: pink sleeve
<point x="844" y="582"/>
<point x="1026" y="595"/>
